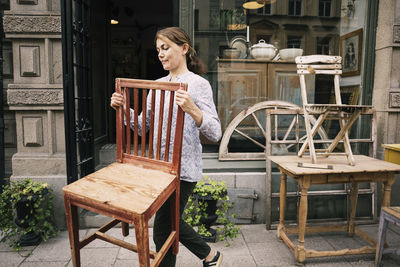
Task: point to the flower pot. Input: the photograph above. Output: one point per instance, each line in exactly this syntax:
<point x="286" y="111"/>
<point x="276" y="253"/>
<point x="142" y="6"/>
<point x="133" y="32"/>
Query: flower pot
<point x="211" y="216"/>
<point x="25" y="211"/>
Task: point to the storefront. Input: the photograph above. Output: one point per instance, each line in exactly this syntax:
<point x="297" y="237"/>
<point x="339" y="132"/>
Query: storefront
<point x="44" y="90"/>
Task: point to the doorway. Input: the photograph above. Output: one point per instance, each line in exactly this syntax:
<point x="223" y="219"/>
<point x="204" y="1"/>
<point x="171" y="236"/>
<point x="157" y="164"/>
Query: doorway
<point x="123" y="49"/>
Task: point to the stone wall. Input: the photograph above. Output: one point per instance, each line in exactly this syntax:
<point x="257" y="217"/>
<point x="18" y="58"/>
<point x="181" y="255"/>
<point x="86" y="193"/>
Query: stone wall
<point x="35" y="94"/>
<point x="386" y="92"/>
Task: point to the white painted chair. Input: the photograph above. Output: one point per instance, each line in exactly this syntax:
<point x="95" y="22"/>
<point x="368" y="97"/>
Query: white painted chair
<point x="345" y="114"/>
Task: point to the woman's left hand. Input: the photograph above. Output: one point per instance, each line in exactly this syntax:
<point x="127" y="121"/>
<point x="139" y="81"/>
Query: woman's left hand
<point x="185" y="101"/>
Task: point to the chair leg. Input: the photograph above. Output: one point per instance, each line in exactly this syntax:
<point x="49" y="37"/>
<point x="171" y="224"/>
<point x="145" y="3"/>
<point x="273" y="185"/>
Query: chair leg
<point x="142" y="242"/>
<point x="309" y="141"/>
<point x="381" y="239"/>
<point x="71" y="214"/>
<point x="175" y="219"/>
<point x="125" y="228"/>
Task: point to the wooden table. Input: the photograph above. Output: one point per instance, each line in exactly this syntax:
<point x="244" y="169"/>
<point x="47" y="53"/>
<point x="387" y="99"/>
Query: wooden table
<point x="366" y="170"/>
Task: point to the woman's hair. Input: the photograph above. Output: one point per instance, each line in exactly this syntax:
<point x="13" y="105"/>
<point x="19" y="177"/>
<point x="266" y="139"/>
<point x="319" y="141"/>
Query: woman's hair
<point x="180" y="37"/>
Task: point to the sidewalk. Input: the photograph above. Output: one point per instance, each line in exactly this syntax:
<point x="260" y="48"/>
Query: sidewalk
<point x="255" y="246"/>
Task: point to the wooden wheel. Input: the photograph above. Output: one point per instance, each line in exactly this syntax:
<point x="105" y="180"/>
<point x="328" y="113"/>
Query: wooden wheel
<point x="248" y="131"/>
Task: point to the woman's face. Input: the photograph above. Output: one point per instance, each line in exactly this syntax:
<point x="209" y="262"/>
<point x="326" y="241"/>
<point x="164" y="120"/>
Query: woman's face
<point x="171" y="55"/>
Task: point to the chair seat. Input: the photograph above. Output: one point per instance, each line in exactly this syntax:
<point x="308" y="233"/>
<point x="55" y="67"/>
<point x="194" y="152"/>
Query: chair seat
<point x="394" y="211"/>
<point x="122" y="186"/>
<point x="322" y="108"/>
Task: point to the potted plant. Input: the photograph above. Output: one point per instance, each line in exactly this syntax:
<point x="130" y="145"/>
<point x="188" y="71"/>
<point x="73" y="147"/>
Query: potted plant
<point x="208" y="204"/>
<point x="26" y="213"/>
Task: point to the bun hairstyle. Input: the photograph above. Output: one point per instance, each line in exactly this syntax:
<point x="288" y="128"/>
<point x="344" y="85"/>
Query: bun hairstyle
<point x="180" y="37"/>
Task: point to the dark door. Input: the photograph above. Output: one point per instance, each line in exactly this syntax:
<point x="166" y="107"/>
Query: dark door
<point x="76" y="56"/>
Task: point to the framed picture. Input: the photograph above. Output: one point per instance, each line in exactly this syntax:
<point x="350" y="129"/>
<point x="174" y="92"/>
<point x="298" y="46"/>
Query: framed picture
<point x="350" y="51"/>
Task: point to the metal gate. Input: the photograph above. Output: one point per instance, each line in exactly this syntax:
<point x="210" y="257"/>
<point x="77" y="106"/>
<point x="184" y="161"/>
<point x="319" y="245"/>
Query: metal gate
<point x="77" y="82"/>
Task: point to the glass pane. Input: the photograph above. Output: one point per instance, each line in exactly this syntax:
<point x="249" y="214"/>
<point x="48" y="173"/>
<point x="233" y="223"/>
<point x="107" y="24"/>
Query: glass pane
<point x="240" y="80"/>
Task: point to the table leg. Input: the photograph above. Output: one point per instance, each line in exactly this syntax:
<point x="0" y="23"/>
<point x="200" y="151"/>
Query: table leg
<point x="282" y="204"/>
<point x="300" y="253"/>
<point x="387" y="188"/>
<point x="353" y="207"/>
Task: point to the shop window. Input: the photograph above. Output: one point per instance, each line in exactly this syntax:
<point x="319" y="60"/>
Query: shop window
<point x="294" y="42"/>
<point x="294" y="8"/>
<point x="323" y="45"/>
<point x="324" y="8"/>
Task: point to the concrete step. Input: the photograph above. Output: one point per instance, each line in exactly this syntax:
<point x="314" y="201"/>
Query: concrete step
<point x="107" y="155"/>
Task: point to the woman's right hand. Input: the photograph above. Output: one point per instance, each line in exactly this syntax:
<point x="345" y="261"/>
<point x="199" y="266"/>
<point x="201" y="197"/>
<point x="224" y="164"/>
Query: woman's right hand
<point x="117" y="100"/>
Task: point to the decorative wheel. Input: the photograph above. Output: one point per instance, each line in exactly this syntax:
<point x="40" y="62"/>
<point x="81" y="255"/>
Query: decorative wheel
<point x="245" y="136"/>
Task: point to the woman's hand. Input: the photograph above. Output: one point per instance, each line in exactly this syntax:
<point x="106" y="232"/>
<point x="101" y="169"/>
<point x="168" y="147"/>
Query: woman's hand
<point x="117" y="100"/>
<point x="185" y="101"/>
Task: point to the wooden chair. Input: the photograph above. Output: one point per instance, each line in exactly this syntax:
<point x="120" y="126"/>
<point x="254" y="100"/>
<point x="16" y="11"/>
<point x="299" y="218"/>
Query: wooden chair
<point x="134" y="187"/>
<point x="388" y="214"/>
<point x="345" y="114"/>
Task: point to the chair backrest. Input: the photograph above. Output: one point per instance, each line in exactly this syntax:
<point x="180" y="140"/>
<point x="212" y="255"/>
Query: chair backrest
<point x="319" y="64"/>
<point x="162" y="121"/>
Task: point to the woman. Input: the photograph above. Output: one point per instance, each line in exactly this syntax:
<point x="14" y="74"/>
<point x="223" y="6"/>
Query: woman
<point x="177" y="56"/>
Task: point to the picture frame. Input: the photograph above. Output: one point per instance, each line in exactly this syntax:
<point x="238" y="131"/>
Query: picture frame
<point x="350" y="51"/>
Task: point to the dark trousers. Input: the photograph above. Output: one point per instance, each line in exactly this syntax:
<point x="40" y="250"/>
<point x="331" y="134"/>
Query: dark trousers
<point x="187" y="236"/>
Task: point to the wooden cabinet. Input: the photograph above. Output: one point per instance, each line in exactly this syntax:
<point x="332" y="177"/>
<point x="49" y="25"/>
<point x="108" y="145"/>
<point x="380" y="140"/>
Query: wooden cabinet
<point x="245" y="82"/>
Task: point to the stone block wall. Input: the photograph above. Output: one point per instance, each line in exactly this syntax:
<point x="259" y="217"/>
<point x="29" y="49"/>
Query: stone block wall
<point x="386" y="91"/>
<point x="35" y="95"/>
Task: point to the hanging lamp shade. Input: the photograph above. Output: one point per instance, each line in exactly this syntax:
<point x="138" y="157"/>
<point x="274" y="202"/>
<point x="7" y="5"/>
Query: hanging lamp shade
<point x="257" y="4"/>
<point x="252" y="5"/>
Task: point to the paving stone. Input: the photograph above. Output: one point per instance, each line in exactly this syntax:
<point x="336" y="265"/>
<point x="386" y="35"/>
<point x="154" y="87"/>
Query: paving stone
<point x="126" y="263"/>
<point x="98" y="243"/>
<point x="11" y="258"/>
<point x="95" y="257"/>
<point x="55" y="249"/>
<point x="258" y="234"/>
<point x="125" y="254"/>
<point x="44" y="263"/>
<point x="237" y="247"/>
<point x="273" y="254"/>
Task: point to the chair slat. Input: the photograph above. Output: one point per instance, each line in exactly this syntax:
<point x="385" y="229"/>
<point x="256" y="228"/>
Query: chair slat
<point x="160" y="124"/>
<point x="137" y="83"/>
<point x="320" y="67"/>
<point x="170" y="111"/>
<point x="151" y="130"/>
<point x="176" y="159"/>
<point x="128" y="119"/>
<point x="318" y="58"/>
<point x="144" y="101"/>
<point x="332" y="72"/>
<point x="136" y="120"/>
<point x="119" y="121"/>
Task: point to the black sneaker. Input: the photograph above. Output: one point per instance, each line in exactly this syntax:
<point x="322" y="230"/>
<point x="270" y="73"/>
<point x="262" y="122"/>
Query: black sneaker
<point x="216" y="261"/>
